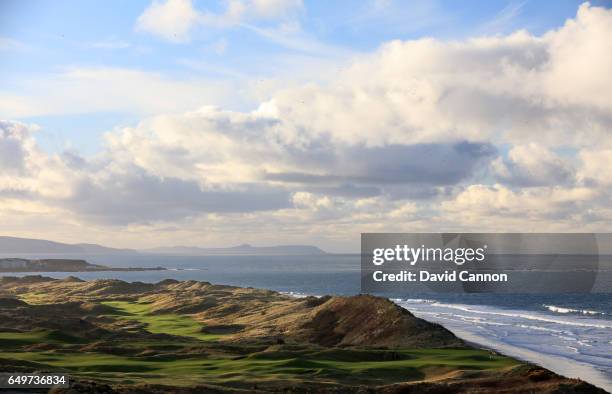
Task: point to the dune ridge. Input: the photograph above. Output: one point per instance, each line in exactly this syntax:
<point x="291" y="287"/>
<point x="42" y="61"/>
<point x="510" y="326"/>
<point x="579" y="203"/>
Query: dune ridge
<point x="189" y="336"/>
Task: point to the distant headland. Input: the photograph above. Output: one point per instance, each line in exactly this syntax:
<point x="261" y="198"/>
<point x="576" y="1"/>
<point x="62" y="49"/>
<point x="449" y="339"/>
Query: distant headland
<point x="12" y="264"/>
<point x="12" y="246"/>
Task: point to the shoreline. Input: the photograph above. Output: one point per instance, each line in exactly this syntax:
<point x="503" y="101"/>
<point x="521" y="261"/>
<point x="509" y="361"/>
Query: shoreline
<point x="556" y="363"/>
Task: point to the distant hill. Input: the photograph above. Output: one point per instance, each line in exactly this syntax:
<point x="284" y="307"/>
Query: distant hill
<point x="240" y="250"/>
<point x="14" y="245"/>
<point x="10" y="246"/>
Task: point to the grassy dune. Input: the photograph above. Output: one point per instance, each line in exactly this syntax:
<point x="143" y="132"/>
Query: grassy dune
<point x="281" y="363"/>
<point x="194" y="335"/>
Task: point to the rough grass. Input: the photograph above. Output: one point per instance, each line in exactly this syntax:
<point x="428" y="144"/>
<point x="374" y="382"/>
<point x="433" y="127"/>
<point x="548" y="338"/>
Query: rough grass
<point x="34" y="298"/>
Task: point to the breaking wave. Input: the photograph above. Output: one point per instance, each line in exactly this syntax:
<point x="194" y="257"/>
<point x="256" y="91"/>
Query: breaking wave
<point x="560" y="309"/>
<point x="573" y="343"/>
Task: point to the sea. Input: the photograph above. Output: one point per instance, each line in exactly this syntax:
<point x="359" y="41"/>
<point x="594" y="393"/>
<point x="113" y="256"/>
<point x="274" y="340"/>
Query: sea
<point x="570" y="334"/>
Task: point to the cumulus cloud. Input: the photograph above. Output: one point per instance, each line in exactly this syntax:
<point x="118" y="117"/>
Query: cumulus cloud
<point x="14" y="147"/>
<point x="419" y="135"/>
<point x="432" y="91"/>
<point x="25" y="170"/>
<point x="478" y="200"/>
<point x="545" y="209"/>
<point x="107" y="189"/>
<point x="170" y="19"/>
<point x="215" y="147"/>
<point x="533" y="165"/>
<point x="434" y="164"/>
<point x="596" y="166"/>
<point x="580" y="59"/>
<point x="138" y="197"/>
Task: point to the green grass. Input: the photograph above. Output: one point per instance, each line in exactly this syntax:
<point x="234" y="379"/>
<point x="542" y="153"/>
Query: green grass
<point x="173" y="324"/>
<point x="166" y="361"/>
<point x="13" y="339"/>
<point x="415" y="364"/>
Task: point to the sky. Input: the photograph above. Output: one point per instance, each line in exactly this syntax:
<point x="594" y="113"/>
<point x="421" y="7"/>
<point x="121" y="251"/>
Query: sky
<point x="215" y="123"/>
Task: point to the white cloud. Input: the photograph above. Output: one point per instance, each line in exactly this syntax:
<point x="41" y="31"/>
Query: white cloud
<point x="311" y="201"/>
<point x="169" y="19"/>
<point x="82" y="187"/>
<point x="533" y="165"/>
<point x="481" y="89"/>
<point x="174" y="20"/>
<point x="545" y="209"/>
<point x="597" y="166"/>
<point x="15" y="147"/>
<point x="578" y="72"/>
<point x="272" y="9"/>
<point x="240" y="11"/>
<point x="110" y="89"/>
<point x="26" y="171"/>
<point x="412" y="136"/>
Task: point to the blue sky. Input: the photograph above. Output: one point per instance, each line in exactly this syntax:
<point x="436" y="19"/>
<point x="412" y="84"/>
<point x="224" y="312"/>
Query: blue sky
<point x="215" y="123"/>
<point x="43" y="39"/>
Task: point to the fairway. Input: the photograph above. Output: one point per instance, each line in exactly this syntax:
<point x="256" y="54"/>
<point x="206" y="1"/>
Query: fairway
<point x="414" y="364"/>
<point x="11" y="339"/>
<point x="196" y="357"/>
<point x="172" y="324"/>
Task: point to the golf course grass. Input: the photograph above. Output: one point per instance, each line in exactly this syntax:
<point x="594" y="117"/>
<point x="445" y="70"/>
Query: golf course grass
<point x="171" y="362"/>
<point x="413" y="364"/>
<point x="172" y="324"/>
<point x="12" y="339"/>
<point x="189" y="337"/>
